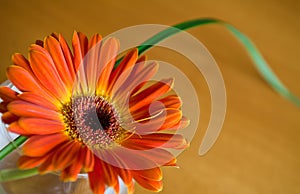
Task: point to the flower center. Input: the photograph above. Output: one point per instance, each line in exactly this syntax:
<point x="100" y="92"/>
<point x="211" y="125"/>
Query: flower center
<point x="93" y="121"/>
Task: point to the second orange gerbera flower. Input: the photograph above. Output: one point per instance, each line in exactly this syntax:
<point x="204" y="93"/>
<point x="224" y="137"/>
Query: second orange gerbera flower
<point x="81" y="114"/>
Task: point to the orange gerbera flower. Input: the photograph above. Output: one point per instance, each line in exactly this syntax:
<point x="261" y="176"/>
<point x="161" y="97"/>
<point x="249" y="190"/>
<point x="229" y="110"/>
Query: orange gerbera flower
<point x="81" y="114"/>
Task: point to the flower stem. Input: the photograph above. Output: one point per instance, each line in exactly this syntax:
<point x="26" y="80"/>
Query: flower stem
<point x="15" y="174"/>
<point x="258" y="60"/>
<point x="12" y="146"/>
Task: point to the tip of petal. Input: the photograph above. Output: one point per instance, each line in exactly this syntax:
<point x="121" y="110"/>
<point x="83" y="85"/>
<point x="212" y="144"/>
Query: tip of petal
<point x="15" y="55"/>
<point x="171" y="162"/>
<point x="169" y="81"/>
<point x="185" y="122"/>
<point x="142" y="58"/>
<point x="113" y="41"/>
<point x="55" y="35"/>
<point x="160" y="189"/>
<point x="185" y="144"/>
<point x="68" y="179"/>
<point x="34" y="48"/>
<point x="40" y="43"/>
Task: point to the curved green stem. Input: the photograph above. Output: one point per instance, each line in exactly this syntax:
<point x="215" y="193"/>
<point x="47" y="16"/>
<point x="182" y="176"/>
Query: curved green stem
<point x="12" y="146"/>
<point x="16" y="174"/>
<point x="251" y="49"/>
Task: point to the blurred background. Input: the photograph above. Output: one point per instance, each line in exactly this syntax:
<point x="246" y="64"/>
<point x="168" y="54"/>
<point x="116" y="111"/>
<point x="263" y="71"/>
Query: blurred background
<point x="258" y="150"/>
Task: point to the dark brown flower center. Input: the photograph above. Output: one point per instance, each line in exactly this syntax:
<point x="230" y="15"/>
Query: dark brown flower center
<point x="93" y="121"/>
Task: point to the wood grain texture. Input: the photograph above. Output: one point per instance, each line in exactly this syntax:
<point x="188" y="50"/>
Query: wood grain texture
<point x="258" y="151"/>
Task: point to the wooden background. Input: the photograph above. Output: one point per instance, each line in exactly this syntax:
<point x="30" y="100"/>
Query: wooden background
<point x="258" y="150"/>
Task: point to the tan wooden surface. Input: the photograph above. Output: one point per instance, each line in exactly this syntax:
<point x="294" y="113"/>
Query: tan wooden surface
<point x="258" y="151"/>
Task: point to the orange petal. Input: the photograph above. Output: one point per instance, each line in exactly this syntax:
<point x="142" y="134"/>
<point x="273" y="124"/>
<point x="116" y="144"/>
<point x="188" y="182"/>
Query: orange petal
<point x="130" y="188"/>
<point x="163" y="140"/>
<point x="142" y="59"/>
<point x="147" y="72"/>
<point x="41" y="126"/>
<point x="39" y="145"/>
<point x="3" y="107"/>
<point x="155" y="186"/>
<point x="15" y="128"/>
<point x="26" y="162"/>
<point x="24" y="81"/>
<point x="154" y="174"/>
<point x="110" y="176"/>
<point x="117" y="187"/>
<point x="128" y="61"/>
<point x="96" y="178"/>
<point x="108" y="55"/>
<point x="183" y="123"/>
<point x="173" y="116"/>
<point x="38" y="100"/>
<point x="125" y="175"/>
<point x="130" y="159"/>
<point x="140" y="62"/>
<point x="96" y="38"/>
<point x="117" y="166"/>
<point x="19" y="60"/>
<point x="71" y="172"/>
<point x="7" y="94"/>
<point x="83" y="43"/>
<point x="148" y="95"/>
<point x="54" y="35"/>
<point x="161" y="121"/>
<point x="80" y="47"/>
<point x="53" y="47"/>
<point x="47" y="165"/>
<point x="128" y="84"/>
<point x="40" y="43"/>
<point x="91" y="62"/>
<point x="171" y="163"/>
<point x="68" y="55"/>
<point x="89" y="161"/>
<point x="45" y="70"/>
<point x="169" y="102"/>
<point x="26" y="109"/>
<point x="161" y="157"/>
<point x="66" y="154"/>
<point x="9" y="117"/>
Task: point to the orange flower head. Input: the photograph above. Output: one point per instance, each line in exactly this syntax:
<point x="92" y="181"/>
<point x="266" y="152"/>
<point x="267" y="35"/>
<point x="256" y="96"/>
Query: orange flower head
<point x="83" y="115"/>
